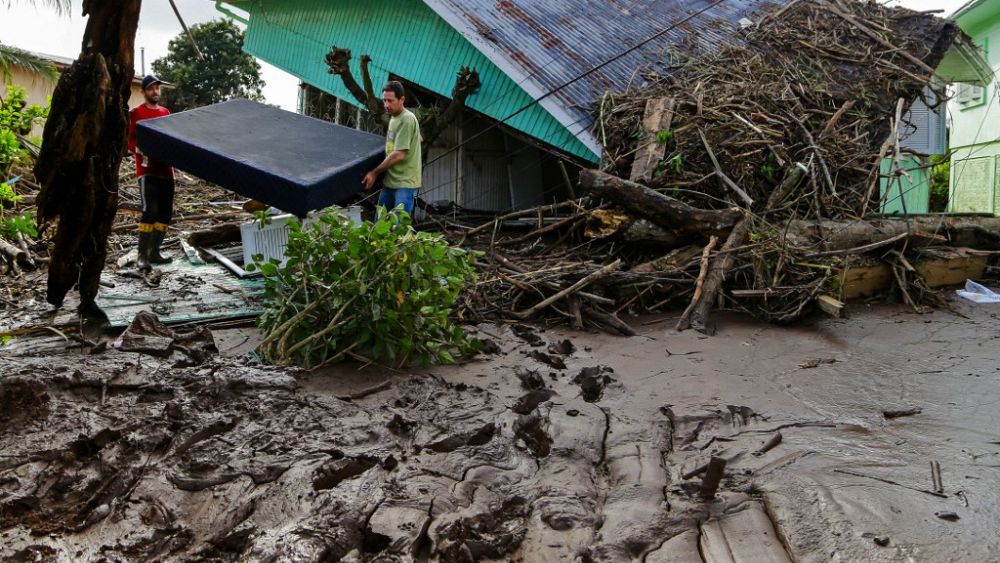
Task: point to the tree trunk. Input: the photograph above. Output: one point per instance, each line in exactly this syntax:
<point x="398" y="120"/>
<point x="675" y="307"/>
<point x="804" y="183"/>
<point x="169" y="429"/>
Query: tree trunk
<point x="667" y="212"/>
<point x="216" y="235"/>
<point x="724" y="261"/>
<point x="83" y="144"/>
<point x="980" y="233"/>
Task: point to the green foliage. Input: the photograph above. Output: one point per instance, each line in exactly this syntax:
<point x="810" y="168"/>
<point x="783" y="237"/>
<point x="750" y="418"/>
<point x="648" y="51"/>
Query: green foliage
<point x="227" y="72"/>
<point x="940" y="180"/>
<point x="16" y="118"/>
<point x="664" y="137"/>
<point x="11" y="224"/>
<point x="381" y="290"/>
<point x="677" y="163"/>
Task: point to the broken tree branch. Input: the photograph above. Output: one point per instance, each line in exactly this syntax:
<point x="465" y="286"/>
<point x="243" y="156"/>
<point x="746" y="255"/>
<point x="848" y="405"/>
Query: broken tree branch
<point x="665" y="211"/>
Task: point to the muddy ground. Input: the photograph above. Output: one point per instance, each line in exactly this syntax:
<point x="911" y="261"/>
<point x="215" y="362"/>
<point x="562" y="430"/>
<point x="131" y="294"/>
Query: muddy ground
<point x="549" y="450"/>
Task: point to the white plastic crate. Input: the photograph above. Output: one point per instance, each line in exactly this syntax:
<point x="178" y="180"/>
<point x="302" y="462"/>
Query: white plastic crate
<point x="270" y="240"/>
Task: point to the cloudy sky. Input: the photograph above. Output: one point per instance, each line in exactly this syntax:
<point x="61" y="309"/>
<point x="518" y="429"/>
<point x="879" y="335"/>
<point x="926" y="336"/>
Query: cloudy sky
<point x="43" y="30"/>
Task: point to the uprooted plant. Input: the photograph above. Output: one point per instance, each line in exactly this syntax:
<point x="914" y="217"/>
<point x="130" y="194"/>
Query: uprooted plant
<point x="378" y="291"/>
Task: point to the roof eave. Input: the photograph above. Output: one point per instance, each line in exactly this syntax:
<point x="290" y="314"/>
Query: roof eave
<point x="524" y="80"/>
<point x="964" y="62"/>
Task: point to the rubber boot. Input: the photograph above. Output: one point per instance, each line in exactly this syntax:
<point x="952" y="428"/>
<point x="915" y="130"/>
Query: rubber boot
<point x="145" y="244"/>
<point x="91" y="313"/>
<point x="154" y="251"/>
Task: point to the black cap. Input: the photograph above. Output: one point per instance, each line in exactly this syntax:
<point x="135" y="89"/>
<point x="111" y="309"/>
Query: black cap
<point x="149" y="80"/>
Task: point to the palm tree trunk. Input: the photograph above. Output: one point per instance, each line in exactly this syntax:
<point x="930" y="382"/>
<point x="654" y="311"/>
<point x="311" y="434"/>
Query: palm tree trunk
<point x="82" y="148"/>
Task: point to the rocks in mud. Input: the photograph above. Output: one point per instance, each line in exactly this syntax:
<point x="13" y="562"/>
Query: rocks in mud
<point x="341" y="467"/>
<point x="530" y="400"/>
<point x="147" y="335"/>
<point x="531" y="431"/>
<point x="562" y="347"/>
<point x="592" y="381"/>
<point x="22" y="398"/>
<point x="491" y="532"/>
<point x="547" y="359"/>
<point x="477" y="437"/>
<point x="400" y="426"/>
<point x="530" y="379"/>
<point x="527" y="334"/>
<point x="948" y="515"/>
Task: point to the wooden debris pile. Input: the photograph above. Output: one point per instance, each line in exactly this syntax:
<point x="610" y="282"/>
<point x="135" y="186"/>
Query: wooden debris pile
<point x="746" y="176"/>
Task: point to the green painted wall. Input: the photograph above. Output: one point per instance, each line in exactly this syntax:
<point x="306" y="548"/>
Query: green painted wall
<point x="909" y="193"/>
<point x="975" y="180"/>
<point x="975" y="125"/>
<point x="403" y="37"/>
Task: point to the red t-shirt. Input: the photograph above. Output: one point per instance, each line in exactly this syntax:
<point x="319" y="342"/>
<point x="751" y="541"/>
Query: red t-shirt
<point x="143" y="164"/>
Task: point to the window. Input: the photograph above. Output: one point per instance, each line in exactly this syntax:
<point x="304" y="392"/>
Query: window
<point x="968" y="95"/>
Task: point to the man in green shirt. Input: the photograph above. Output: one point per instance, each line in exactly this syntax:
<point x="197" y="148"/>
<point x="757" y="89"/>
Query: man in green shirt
<point x="402" y="164"/>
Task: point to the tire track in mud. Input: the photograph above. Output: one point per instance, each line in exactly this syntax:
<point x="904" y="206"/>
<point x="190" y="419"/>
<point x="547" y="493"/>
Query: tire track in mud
<point x="227" y="461"/>
<point x="224" y="461"/>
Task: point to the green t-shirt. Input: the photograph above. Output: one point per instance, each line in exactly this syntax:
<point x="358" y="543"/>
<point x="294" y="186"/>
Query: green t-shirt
<point x="404" y="134"/>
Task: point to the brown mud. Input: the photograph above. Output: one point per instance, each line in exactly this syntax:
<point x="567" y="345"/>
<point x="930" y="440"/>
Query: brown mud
<point x="588" y="450"/>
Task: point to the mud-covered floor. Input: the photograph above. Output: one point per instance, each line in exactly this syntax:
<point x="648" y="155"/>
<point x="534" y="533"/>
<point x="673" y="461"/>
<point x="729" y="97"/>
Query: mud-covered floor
<point x="547" y="451"/>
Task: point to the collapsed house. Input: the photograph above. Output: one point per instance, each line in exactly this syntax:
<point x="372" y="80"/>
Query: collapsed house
<point x="738" y="140"/>
<point x="523" y="52"/>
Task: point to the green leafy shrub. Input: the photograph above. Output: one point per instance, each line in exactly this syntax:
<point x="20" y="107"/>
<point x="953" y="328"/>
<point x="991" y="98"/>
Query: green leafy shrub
<point x="381" y="290"/>
<point x="12" y="223"/>
<point x="16" y="118"/>
<point x="940" y="180"/>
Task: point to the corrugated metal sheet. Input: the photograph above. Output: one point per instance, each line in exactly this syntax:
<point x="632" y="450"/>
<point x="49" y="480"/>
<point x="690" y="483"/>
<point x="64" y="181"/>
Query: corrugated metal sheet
<point x="405" y="38"/>
<point x="442" y="176"/>
<point x="545" y="44"/>
<point x="485" y="182"/>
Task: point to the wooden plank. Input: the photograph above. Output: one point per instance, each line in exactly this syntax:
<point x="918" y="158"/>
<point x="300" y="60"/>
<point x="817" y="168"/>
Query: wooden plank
<point x="659" y="115"/>
<point x="945" y="267"/>
<point x="831" y="306"/>
<point x="865" y="281"/>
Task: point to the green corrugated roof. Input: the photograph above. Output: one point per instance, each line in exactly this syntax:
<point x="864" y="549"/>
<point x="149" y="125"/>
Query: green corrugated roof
<point x="403" y="37"/>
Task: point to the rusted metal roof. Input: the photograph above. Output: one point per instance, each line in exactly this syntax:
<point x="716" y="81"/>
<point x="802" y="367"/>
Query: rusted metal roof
<point x="543" y="45"/>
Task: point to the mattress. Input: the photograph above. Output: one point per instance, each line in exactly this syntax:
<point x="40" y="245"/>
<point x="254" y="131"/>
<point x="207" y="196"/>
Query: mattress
<point x="286" y="160"/>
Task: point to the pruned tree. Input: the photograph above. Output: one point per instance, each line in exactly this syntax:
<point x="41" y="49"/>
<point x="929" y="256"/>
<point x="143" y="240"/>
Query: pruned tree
<point x="433" y="119"/>
<point x="83" y="145"/>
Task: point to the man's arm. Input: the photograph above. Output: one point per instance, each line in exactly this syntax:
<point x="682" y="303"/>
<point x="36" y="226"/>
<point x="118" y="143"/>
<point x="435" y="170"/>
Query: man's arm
<point x="394" y="158"/>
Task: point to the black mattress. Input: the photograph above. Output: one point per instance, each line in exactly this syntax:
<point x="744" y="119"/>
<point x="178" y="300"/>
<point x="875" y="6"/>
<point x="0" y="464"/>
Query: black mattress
<point x="289" y="161"/>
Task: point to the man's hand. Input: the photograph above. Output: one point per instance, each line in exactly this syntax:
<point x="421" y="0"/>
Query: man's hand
<point x="369" y="180"/>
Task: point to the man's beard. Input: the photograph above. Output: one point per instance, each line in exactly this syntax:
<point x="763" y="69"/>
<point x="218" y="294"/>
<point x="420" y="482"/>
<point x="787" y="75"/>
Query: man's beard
<point x="153" y="99"/>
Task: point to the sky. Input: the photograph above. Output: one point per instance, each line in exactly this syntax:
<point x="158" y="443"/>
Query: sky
<point x="41" y="29"/>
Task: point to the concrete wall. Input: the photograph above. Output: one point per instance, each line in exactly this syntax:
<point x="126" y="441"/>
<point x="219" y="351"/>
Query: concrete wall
<point x="975" y="131"/>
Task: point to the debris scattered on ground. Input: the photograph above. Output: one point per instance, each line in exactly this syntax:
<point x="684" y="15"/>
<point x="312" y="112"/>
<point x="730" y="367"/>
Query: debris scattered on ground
<point x="890" y="414"/>
<point x="747" y="177"/>
<point x="947" y="515"/>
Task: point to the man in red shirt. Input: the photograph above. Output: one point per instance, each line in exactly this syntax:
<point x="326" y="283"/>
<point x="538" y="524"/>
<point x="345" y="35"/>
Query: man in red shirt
<point x="156" y="181"/>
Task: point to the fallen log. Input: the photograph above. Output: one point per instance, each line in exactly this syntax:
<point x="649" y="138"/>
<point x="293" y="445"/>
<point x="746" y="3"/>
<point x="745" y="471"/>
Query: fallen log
<point x="665" y="211"/>
<point x="979" y="233"/>
<point x="214" y="236"/>
<point x="13" y="253"/>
